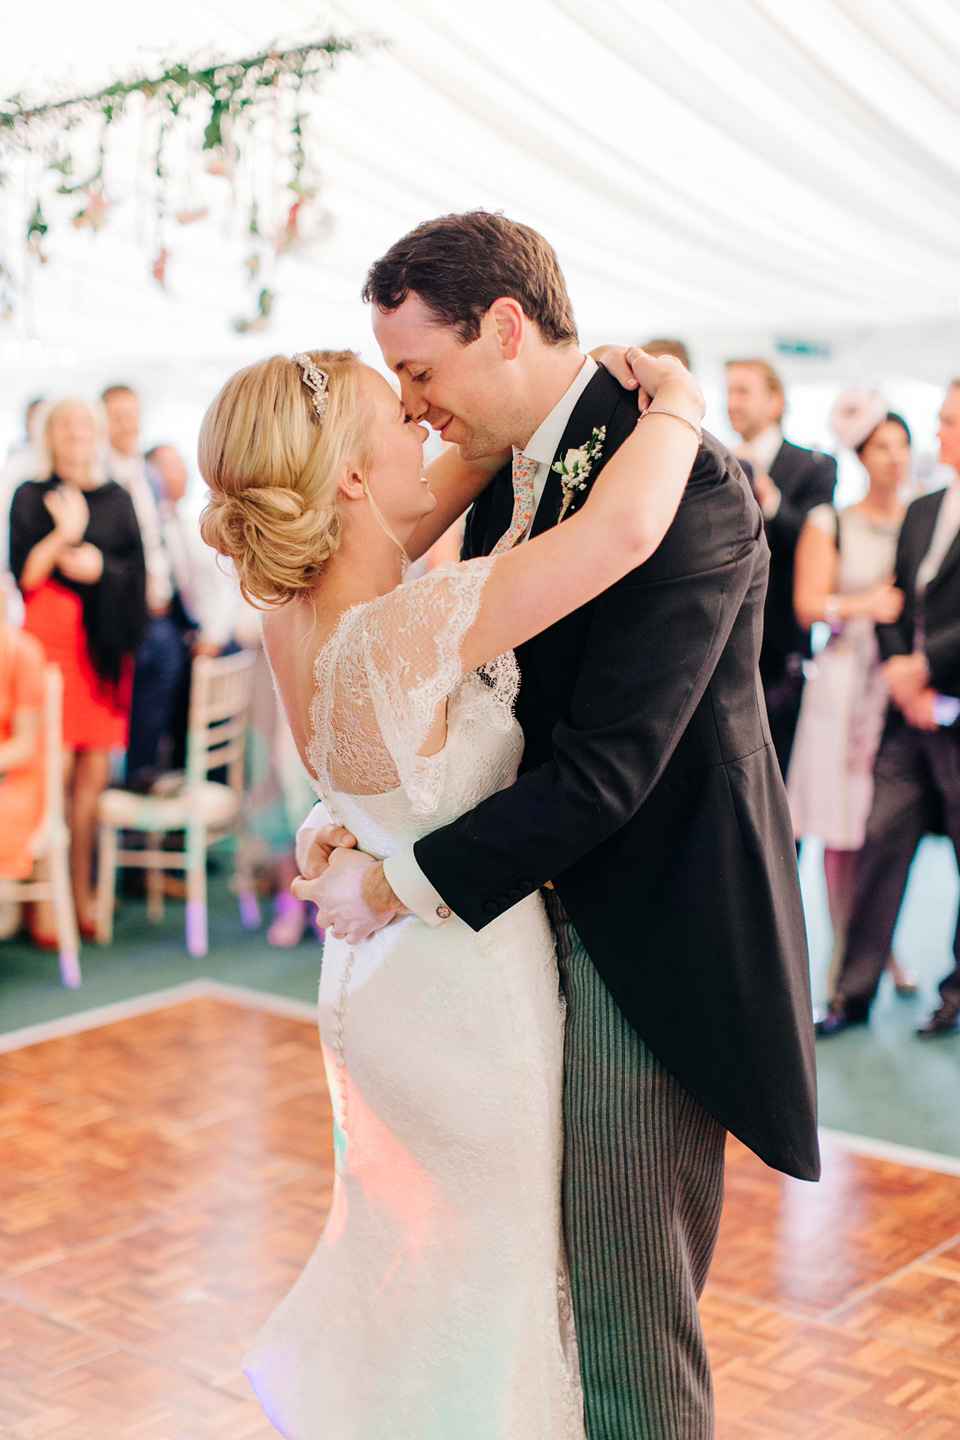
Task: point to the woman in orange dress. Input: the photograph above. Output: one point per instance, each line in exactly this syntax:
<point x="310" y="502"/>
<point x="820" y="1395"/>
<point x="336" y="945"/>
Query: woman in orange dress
<point x="22" y="787"/>
<point x="76" y="553"/>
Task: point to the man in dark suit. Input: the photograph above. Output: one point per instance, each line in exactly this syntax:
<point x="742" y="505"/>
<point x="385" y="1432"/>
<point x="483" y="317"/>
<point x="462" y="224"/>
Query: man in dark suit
<point x="649" y="799"/>
<point x="787" y="481"/>
<point x="917" y="771"/>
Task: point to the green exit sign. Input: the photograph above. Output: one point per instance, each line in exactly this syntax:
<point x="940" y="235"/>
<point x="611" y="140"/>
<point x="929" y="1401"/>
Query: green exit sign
<point x="813" y="349"/>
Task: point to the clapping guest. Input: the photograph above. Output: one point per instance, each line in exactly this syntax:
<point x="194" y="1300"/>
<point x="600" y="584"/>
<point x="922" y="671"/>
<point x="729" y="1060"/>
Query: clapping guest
<point x="788" y="482"/>
<point x="76" y="553"/>
<point x="917" y="771"/>
<point x="844" y="576"/>
<point x="159" y="658"/>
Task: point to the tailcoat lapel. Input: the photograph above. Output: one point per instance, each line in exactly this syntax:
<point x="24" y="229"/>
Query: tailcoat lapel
<point x="920" y="543"/>
<point x="949" y="560"/>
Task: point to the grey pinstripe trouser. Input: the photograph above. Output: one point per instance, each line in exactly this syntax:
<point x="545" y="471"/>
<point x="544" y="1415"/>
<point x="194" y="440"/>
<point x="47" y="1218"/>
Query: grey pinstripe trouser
<point x="642" y="1193"/>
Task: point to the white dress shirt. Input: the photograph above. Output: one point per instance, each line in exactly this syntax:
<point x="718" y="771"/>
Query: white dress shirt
<point x="544" y="442"/>
<point x="209" y="597"/>
<point x="404" y="876"/>
<point x="130" y="472"/>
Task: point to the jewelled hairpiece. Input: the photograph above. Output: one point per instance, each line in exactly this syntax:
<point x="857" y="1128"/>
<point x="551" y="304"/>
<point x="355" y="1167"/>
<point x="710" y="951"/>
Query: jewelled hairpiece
<point x="316" y="380"/>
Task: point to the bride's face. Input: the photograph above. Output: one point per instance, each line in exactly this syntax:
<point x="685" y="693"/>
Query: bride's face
<point x="394" y="472"/>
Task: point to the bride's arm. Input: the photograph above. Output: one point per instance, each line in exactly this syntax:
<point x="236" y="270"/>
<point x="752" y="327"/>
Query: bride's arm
<point x="456" y="483"/>
<point x="626" y="515"/>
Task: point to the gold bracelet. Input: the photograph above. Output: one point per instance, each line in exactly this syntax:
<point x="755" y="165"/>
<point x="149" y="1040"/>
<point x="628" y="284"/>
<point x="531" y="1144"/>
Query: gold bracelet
<point x="695" y="428"/>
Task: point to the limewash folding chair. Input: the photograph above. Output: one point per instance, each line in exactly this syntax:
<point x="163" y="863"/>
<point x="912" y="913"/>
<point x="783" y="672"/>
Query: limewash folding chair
<point x="51" y="849"/>
<point x="201" y="808"/>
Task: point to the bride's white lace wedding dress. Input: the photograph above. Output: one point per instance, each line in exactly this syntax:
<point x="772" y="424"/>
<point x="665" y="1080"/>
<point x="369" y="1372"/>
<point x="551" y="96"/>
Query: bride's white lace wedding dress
<point x="434" y="1307"/>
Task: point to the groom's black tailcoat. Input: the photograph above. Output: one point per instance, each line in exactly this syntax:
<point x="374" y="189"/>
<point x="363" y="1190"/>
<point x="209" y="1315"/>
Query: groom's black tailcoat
<point x="651" y="796"/>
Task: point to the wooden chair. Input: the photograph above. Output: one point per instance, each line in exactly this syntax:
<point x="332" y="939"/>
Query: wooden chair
<point x="200" y="807"/>
<point x="52" y="848"/>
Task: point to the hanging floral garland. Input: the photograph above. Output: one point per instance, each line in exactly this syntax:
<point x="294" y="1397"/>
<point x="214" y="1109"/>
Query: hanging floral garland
<point x="208" y="115"/>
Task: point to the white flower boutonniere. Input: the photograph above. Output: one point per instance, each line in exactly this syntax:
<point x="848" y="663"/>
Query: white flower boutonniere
<point x="575" y="467"/>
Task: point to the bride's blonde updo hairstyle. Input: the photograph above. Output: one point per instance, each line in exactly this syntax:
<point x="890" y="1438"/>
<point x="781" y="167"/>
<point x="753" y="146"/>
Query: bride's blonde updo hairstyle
<point x="273" y="468"/>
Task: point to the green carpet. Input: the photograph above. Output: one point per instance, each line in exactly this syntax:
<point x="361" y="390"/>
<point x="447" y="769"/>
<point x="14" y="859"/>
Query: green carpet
<point x="879" y="1081"/>
<point x="146" y="957"/>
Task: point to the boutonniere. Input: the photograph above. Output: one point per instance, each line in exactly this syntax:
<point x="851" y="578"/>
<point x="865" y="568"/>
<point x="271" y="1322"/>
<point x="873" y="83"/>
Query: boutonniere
<point x="575" y="466"/>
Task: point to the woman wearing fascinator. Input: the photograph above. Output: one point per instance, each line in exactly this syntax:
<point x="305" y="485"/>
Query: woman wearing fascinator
<point x="435" y="1303"/>
<point x="843" y="576"/>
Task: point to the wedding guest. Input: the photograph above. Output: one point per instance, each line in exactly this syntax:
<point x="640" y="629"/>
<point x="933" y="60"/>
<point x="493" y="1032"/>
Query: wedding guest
<point x="208" y="597"/>
<point x="917" y="772"/>
<point x="22" y="788"/>
<point x="844" y="576"/>
<point x="788" y="482"/>
<point x="20" y="464"/>
<point x="204" y="602"/>
<point x="159" y="658"/>
<point x="75" y="550"/>
<point x="676" y="348"/>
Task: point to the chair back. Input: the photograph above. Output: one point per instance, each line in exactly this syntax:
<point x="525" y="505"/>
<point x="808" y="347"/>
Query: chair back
<point x="54" y="821"/>
<point x="219" y="699"/>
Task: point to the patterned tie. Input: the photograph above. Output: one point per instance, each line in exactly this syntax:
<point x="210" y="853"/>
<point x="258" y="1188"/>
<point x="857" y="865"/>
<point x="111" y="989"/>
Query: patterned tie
<point x="524" y="470"/>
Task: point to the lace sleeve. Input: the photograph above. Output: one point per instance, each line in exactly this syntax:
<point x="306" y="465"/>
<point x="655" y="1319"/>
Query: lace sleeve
<point x="383" y="677"/>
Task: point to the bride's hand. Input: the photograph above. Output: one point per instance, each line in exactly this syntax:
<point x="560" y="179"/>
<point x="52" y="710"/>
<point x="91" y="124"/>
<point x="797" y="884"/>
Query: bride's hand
<point x="314" y="848"/>
<point x="665" y="376"/>
<point x="614" y="359"/>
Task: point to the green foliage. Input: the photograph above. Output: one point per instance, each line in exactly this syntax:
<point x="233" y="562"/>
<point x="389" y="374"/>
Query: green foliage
<point x="234" y="90"/>
<point x="232" y="86"/>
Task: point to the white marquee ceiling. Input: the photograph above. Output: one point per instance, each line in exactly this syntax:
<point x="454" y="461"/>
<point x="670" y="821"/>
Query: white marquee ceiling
<point x="729" y="170"/>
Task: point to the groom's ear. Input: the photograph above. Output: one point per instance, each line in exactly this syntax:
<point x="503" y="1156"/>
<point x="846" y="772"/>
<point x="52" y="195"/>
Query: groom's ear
<point x="509" y="325"/>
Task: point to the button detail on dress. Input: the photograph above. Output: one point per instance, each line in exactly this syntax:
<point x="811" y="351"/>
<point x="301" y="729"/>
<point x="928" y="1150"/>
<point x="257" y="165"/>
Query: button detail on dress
<point x="444" y="912"/>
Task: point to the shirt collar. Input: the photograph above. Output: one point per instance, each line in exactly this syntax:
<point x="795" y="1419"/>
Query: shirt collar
<point x="544" y="442"/>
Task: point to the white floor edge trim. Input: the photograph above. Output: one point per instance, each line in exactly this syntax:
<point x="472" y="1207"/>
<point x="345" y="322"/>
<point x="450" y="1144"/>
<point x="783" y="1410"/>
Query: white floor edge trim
<point x="201" y="989"/>
<point x="889" y="1150"/>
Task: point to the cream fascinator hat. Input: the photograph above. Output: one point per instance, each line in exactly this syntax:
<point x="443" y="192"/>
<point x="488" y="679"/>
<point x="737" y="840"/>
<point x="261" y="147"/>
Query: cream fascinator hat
<point x="856" y="414"/>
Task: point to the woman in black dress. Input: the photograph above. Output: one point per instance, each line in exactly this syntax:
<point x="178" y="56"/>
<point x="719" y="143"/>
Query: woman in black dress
<point x="76" y="554"/>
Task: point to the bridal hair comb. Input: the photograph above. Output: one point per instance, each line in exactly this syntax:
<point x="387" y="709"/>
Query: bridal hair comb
<point x="316" y="380"/>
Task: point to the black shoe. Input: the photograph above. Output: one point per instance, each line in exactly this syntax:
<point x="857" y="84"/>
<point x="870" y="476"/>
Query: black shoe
<point x="945" y="1021"/>
<point x="839" y="1016"/>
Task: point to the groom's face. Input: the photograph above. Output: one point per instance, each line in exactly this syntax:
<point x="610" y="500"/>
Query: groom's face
<point x="462" y="391"/>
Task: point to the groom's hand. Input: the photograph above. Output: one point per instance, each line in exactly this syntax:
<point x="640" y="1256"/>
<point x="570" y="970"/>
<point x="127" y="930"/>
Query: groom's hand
<point x="352" y="895"/>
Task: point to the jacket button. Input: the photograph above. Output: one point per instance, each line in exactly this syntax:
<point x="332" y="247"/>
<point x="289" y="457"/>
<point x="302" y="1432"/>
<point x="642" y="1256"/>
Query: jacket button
<point x="514" y="895"/>
<point x="490" y="908"/>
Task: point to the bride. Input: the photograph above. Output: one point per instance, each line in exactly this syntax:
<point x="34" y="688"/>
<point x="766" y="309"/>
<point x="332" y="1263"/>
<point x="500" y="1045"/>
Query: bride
<point x="434" y="1305"/>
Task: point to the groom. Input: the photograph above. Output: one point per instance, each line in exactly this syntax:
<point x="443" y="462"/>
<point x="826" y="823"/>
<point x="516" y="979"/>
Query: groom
<point x="649" y="799"/>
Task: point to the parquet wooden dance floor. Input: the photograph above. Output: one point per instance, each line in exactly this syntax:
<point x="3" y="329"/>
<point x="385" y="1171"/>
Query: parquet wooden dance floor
<point x="163" y="1178"/>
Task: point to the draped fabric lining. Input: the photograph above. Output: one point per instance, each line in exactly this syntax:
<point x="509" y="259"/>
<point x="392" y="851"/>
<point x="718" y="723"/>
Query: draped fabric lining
<point x="735" y="166"/>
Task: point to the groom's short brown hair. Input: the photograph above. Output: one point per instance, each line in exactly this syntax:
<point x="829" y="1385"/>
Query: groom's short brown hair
<point x="460" y="264"/>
